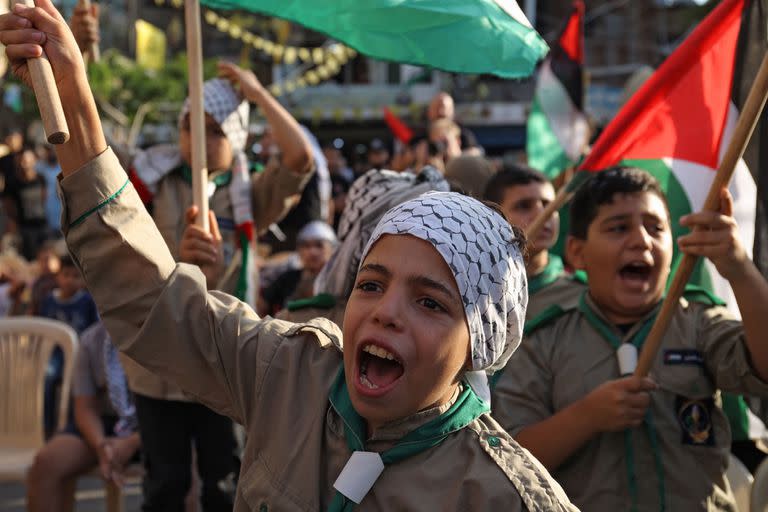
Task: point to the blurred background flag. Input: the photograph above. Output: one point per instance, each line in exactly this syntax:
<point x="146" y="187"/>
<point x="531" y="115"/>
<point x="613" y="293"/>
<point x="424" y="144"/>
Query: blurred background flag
<point x="150" y="45"/>
<point x="557" y="128"/>
<point x="462" y="36"/>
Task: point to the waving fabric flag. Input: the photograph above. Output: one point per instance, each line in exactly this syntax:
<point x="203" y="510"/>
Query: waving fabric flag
<point x="678" y="124"/>
<point x="557" y="129"/>
<point x="398" y="128"/>
<point x="463" y="36"/>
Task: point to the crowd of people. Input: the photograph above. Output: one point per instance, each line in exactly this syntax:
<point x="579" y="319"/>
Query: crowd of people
<point x="383" y="333"/>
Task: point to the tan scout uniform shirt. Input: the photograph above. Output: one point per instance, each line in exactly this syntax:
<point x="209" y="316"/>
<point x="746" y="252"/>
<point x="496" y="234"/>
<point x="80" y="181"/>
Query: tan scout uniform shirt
<point x="335" y="314"/>
<point x="271" y="198"/>
<point x="270" y="375"/>
<point x="563" y="290"/>
<point x="564" y="360"/>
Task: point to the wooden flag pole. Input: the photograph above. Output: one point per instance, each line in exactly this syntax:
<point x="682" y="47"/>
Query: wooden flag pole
<point x="92" y="54"/>
<point x="196" y="112"/>
<point x="744" y="128"/>
<point x="48" y="101"/>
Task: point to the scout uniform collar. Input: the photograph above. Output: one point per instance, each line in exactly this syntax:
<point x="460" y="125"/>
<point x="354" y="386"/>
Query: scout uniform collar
<point x="635" y="337"/>
<point x="367" y="466"/>
<point x="548" y="275"/>
<point x="220" y="178"/>
<point x="322" y="301"/>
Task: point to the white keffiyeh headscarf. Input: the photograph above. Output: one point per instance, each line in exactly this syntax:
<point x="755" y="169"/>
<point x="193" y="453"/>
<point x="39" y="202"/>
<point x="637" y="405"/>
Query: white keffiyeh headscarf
<point x="225" y="105"/>
<point x="369" y="197"/>
<point x="484" y="255"/>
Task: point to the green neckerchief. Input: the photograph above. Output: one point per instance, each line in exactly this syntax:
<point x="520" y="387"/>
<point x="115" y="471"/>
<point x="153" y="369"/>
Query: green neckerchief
<point x="220" y="180"/>
<point x="321" y="300"/>
<point x="605" y="330"/>
<point x="549" y="275"/>
<point x="735" y="409"/>
<point x="467" y="408"/>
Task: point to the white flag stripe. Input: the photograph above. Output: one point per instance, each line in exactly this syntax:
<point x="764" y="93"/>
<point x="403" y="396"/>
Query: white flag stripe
<point x="696" y="180"/>
<point x="568" y="123"/>
<point x="514" y="10"/>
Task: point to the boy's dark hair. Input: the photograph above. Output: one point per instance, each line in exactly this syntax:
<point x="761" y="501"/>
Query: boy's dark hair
<point x="67" y="261"/>
<point x="601" y="188"/>
<point x="512" y="175"/>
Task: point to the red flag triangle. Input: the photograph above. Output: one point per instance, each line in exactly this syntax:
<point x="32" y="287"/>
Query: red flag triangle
<point x="680" y="112"/>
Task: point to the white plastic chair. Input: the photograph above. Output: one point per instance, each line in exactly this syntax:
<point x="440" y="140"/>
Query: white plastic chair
<point x="740" y="480"/>
<point x="26" y="346"/>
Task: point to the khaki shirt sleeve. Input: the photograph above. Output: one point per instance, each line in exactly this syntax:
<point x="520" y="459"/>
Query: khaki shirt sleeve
<point x="523" y="392"/>
<point x="725" y="350"/>
<point x="159" y="312"/>
<point x="275" y="191"/>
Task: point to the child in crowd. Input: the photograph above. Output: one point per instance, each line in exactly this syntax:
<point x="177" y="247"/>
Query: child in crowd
<point x="617" y="442"/>
<point x="314" y="245"/>
<point x="394" y="420"/>
<point x="24" y="197"/>
<point x="103" y="430"/>
<point x="70" y="303"/>
<point x="523" y="193"/>
<point x="48" y="265"/>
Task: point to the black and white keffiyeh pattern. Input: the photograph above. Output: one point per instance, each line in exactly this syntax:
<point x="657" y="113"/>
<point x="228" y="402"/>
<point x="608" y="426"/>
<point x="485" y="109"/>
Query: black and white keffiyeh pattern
<point x="369" y="197"/>
<point x="483" y="253"/>
<point x="225" y="105"/>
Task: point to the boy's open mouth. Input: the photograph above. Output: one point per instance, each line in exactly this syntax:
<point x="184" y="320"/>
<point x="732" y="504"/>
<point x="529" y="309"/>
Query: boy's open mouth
<point x="379" y="368"/>
<point x="636" y="272"/>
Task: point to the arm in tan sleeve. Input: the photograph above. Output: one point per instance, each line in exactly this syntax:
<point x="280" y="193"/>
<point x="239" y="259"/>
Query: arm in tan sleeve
<point x="274" y="192"/>
<point x="158" y="312"/>
<point x="726" y="353"/>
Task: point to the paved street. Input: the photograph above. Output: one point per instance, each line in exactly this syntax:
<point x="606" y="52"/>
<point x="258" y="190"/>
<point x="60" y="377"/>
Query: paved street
<point x="90" y="497"/>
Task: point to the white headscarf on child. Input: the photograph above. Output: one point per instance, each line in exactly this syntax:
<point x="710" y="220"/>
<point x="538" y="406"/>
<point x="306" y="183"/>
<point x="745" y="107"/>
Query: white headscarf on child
<point x="225" y="105"/>
<point x="369" y="197"/>
<point x="484" y="255"/>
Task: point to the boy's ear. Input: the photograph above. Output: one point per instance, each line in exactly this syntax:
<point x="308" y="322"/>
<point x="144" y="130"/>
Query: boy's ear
<point x="574" y="251"/>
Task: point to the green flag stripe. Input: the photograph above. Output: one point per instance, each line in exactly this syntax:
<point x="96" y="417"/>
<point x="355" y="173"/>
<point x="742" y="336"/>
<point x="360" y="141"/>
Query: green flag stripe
<point x="541" y="145"/>
<point x="463" y="36"/>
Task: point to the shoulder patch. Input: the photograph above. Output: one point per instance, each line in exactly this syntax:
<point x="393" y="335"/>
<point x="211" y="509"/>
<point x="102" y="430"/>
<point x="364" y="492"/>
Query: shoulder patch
<point x="536" y="487"/>
<point x="695" y="293"/>
<point x="326" y="332"/>
<point x="322" y="301"/>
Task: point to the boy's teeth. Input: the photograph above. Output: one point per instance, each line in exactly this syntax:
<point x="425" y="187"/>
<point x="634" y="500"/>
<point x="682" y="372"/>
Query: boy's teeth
<point x="378" y="352"/>
<point x="365" y="382"/>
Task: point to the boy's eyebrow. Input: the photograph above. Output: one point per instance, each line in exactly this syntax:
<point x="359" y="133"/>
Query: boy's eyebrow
<point x="435" y="285"/>
<point x="624" y="216"/>
<point x="375" y="267"/>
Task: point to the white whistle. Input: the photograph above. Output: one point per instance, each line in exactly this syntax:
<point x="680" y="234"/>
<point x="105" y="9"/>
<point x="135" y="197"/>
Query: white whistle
<point x="358" y="476"/>
<point x="627" y="355"/>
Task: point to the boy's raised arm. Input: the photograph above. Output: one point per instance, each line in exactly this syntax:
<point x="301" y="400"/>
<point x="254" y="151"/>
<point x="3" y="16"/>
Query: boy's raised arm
<point x="157" y="312"/>
<point x="718" y="240"/>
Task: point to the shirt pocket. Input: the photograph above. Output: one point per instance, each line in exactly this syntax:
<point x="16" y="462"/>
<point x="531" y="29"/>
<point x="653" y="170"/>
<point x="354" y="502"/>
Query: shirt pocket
<point x="682" y="372"/>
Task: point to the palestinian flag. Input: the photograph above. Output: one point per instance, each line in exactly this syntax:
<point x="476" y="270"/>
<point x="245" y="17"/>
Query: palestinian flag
<point x="399" y="129"/>
<point x="557" y="129"/>
<point x="461" y="36"/>
<point x="678" y="124"/>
